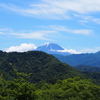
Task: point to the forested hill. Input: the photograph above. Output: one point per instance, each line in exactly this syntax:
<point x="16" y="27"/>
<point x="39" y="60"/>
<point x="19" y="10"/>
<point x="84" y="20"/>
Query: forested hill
<point x="91" y="59"/>
<point x="42" y="66"/>
<point x="35" y="75"/>
<point x="87" y="68"/>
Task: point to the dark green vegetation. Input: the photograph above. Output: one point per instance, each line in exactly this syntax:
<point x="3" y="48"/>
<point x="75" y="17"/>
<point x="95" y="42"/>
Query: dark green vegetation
<point x="92" y="59"/>
<point x="91" y="72"/>
<point x="67" y="89"/>
<point x="42" y="66"/>
<point x="87" y="63"/>
<point x="35" y="75"/>
<point x="87" y="68"/>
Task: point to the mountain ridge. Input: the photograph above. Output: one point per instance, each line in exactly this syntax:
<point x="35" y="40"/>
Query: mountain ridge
<point x="92" y="59"/>
<point x="43" y="66"/>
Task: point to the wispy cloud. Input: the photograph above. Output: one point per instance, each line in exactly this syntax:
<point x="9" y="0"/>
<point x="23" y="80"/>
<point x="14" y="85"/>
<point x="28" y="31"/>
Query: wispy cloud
<point x="1" y="33"/>
<point x="31" y="34"/>
<point x="41" y="35"/>
<point x="56" y="9"/>
<point x="86" y="19"/>
<point x="44" y="10"/>
<point x="21" y="48"/>
<point x="96" y="20"/>
<point x="75" y="31"/>
<point x="89" y="50"/>
<point x="50" y="33"/>
<point x="5" y="30"/>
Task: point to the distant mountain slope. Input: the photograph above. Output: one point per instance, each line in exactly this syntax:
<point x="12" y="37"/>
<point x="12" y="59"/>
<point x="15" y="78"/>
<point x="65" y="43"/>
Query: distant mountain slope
<point x="87" y="68"/>
<point x="92" y="59"/>
<point x="52" y="48"/>
<point x="42" y="65"/>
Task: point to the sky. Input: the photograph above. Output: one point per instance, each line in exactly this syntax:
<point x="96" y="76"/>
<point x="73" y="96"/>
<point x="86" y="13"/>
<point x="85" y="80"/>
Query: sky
<point x="27" y="24"/>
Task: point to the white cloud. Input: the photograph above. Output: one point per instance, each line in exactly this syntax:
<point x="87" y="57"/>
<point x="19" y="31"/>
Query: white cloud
<point x="50" y="33"/>
<point x="82" y="31"/>
<point x="23" y="47"/>
<point x="56" y="9"/>
<point x="27" y="47"/>
<point x="5" y="30"/>
<point x="43" y="35"/>
<point x="30" y="34"/>
<point x="96" y="20"/>
<point x="79" y="6"/>
<point x="72" y="51"/>
<point x="84" y="50"/>
<point x="75" y="31"/>
<point x="2" y="29"/>
<point x="83" y="21"/>
<point x="86" y="19"/>
<point x="1" y="33"/>
<point x="90" y="50"/>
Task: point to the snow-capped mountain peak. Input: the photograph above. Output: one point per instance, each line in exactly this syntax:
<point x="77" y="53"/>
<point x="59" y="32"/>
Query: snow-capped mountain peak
<point x="52" y="48"/>
<point x="49" y="47"/>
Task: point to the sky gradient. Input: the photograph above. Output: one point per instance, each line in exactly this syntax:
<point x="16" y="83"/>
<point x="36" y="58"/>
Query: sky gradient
<point x="73" y="24"/>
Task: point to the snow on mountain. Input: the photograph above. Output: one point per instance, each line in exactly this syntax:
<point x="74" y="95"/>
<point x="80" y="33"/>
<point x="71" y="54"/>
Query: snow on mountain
<point x="52" y="48"/>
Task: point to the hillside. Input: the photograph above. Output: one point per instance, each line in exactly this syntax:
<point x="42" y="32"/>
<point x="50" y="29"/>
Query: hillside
<point x="42" y="66"/>
<point x="91" y="59"/>
<point x="87" y="68"/>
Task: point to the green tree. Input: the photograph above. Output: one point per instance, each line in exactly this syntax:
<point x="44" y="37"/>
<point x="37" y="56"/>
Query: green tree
<point x="69" y="89"/>
<point x="17" y="89"/>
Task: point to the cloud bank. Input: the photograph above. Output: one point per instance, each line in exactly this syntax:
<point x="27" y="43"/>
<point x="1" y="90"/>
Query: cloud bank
<point x="27" y="47"/>
<point x="21" y="48"/>
<point x="72" y="51"/>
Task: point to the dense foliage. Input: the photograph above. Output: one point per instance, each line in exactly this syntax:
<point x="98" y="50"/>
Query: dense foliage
<point x="67" y="89"/>
<point x="42" y="66"/>
<point x="87" y="68"/>
<point x="94" y="76"/>
<point x="91" y="72"/>
<point x="35" y="75"/>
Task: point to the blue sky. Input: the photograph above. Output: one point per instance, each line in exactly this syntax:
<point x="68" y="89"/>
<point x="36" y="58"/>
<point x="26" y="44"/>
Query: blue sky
<point x="73" y="24"/>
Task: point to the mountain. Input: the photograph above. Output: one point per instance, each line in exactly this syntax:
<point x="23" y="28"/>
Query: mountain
<point x="43" y="66"/>
<point x="52" y="48"/>
<point x="91" y="59"/>
<point x="87" y="68"/>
